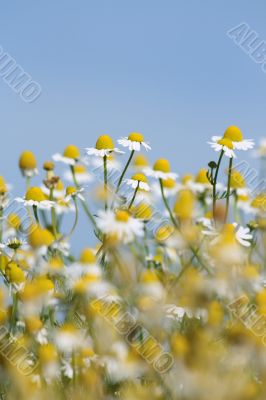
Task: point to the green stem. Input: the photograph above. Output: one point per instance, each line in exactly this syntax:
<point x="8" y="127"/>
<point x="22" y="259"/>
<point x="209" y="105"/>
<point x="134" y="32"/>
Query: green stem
<point x="105" y="181"/>
<point x="14" y="312"/>
<point x="124" y="171"/>
<point x="167" y="205"/>
<point x="53" y="214"/>
<point x="76" y="218"/>
<point x="228" y="189"/>
<point x="214" y="185"/>
<point x="35" y="212"/>
<point x="84" y="205"/>
<point x="1" y="224"/>
<point x="134" y="196"/>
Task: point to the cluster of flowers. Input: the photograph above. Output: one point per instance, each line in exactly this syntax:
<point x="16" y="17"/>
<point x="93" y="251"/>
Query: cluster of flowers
<point x="146" y="311"/>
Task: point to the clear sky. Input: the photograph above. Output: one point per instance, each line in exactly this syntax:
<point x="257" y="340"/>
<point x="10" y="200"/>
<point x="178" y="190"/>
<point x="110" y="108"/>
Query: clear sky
<point x="165" y="68"/>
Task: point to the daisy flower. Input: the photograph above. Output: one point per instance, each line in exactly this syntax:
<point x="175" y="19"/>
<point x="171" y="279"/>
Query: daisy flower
<point x="161" y="170"/>
<point x="81" y="174"/>
<point x="231" y="140"/>
<point x="140" y="162"/>
<point x="103" y="148"/>
<point x="35" y="197"/>
<point x="72" y="192"/>
<point x="120" y="225"/>
<point x="138" y="180"/>
<point x="28" y="164"/>
<point x="134" y="141"/>
<point x="170" y="188"/>
<point x="229" y="233"/>
<point x="70" y="156"/>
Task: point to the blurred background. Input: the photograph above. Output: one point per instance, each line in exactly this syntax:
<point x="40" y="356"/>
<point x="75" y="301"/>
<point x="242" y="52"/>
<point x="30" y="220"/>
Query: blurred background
<point x="164" y="68"/>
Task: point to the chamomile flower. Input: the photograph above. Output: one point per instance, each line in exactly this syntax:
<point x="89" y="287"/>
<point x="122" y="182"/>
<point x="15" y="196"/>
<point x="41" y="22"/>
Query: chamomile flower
<point x="58" y="191"/>
<point x="230" y="233"/>
<point x="170" y="188"/>
<point x="231" y="140"/>
<point x="28" y="164"/>
<point x="72" y="192"/>
<point x="201" y="182"/>
<point x="4" y="199"/>
<point x="81" y="174"/>
<point x="35" y="197"/>
<point x="70" y="155"/>
<point x="112" y="163"/>
<point x="119" y="225"/>
<point x="138" y="180"/>
<point x="161" y="170"/>
<point x="134" y="141"/>
<point x="104" y="147"/>
<point x="140" y="162"/>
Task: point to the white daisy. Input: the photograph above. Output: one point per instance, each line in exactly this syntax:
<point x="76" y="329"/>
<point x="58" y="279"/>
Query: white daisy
<point x="120" y="224"/>
<point x="70" y="156"/>
<point x="134" y="141"/>
<point x="160" y="170"/>
<point x="241" y="234"/>
<point x="104" y="147"/>
<point x="170" y="188"/>
<point x="35" y="197"/>
<point x="138" y="180"/>
<point x="112" y="163"/>
<point x="231" y="140"/>
<point x="72" y="192"/>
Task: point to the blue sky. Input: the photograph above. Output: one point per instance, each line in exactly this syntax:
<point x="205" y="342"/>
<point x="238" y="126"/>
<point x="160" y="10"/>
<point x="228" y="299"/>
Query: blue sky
<point x="163" y="68"/>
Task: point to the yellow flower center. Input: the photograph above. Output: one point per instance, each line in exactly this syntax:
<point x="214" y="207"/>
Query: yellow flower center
<point x="228" y="234"/>
<point x="14" y="273"/>
<point x="143" y="211"/>
<point x="164" y="232"/>
<point x="48" y="166"/>
<point x="162" y="165"/>
<point x="72" y="151"/>
<point x="139" y="178"/>
<point x="87" y="256"/>
<point x="226" y="142"/>
<point x="168" y="183"/>
<point x="47" y="353"/>
<point x="149" y="276"/>
<point x="233" y="133"/>
<point x="79" y="169"/>
<point x="186" y="178"/>
<point x="122" y="216"/>
<point x="14" y="221"/>
<point x="136" y="137"/>
<point x="104" y="142"/>
<point x="237" y="180"/>
<point x="184" y="205"/>
<point x="260" y="202"/>
<point x="202" y="176"/>
<point x="3" y="187"/>
<point x="36" y="194"/>
<point x="70" y="190"/>
<point x="60" y="185"/>
<point x="39" y="237"/>
<point x="27" y="160"/>
<point x="140" y="161"/>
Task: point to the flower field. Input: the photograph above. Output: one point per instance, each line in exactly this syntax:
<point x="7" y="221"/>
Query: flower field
<point x="168" y="299"/>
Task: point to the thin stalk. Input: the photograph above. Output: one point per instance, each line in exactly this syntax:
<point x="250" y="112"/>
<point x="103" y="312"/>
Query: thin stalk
<point x="228" y="189"/>
<point x="84" y="205"/>
<point x="1" y="224"/>
<point x="134" y="196"/>
<point x="214" y="185"/>
<point x="35" y="212"/>
<point x="76" y="218"/>
<point x="105" y="182"/>
<point x="124" y="171"/>
<point x="53" y="214"/>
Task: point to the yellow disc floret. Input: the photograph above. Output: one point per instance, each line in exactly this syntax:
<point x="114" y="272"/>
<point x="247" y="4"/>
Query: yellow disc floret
<point x="35" y="193"/>
<point x="72" y="151"/>
<point x="39" y="237"/>
<point x="202" y="176"/>
<point x="139" y="178"/>
<point x="136" y="137"/>
<point x="3" y="187"/>
<point x="233" y="133"/>
<point x="79" y="169"/>
<point x="14" y="273"/>
<point x="143" y="211"/>
<point x="184" y="205"/>
<point x="87" y="256"/>
<point x="71" y="190"/>
<point x="13" y="221"/>
<point x="140" y="161"/>
<point x="27" y="161"/>
<point x="169" y="183"/>
<point x="162" y="165"/>
<point x="237" y="180"/>
<point x="122" y="215"/>
<point x="226" y="142"/>
<point x="48" y="166"/>
<point x="104" y="142"/>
